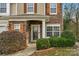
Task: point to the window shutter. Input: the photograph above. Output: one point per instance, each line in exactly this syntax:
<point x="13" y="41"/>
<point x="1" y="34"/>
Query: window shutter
<point x="59" y="8"/>
<point x="25" y="7"/>
<point x="35" y="7"/>
<point x="47" y="8"/>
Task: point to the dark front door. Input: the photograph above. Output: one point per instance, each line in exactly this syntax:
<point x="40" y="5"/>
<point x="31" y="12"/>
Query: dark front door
<point x="35" y="32"/>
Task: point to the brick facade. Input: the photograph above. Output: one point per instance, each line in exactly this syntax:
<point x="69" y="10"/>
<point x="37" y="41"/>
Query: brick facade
<point x="41" y="13"/>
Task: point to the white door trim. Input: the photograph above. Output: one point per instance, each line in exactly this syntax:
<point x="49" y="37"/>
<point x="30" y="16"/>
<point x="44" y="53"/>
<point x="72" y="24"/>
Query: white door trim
<point x="38" y="25"/>
<point x="43" y="29"/>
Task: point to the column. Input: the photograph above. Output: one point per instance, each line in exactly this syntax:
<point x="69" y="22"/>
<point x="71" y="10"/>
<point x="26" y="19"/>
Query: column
<point x="43" y="29"/>
<point x="27" y="34"/>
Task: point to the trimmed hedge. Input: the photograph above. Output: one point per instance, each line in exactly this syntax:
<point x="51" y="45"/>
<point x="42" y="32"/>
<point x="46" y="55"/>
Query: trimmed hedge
<point x="42" y="44"/>
<point x="68" y="35"/>
<point x="67" y="39"/>
<point x="61" y="42"/>
<point x="11" y="42"/>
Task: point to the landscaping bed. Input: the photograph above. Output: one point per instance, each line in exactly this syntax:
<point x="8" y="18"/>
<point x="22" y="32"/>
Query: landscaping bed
<point x="63" y="45"/>
<point x="57" y="52"/>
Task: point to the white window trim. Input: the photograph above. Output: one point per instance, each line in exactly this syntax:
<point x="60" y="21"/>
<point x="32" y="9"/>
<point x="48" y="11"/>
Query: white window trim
<point x="7" y="12"/>
<point x="18" y="27"/>
<point x="44" y="9"/>
<point x="30" y="12"/>
<point x="50" y="10"/>
<point x="16" y="8"/>
<point x="53" y="26"/>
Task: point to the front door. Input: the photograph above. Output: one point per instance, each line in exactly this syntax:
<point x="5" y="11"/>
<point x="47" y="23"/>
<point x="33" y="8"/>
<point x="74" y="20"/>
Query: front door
<point x="35" y="32"/>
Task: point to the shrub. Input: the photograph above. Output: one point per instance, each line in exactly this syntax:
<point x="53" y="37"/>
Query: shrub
<point x="11" y="42"/>
<point x="42" y="44"/>
<point x="67" y="39"/>
<point x="61" y="42"/>
<point x="68" y="34"/>
<point x="51" y="40"/>
<point x="57" y="41"/>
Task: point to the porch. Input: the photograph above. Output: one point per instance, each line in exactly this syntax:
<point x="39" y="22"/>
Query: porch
<point x="32" y="26"/>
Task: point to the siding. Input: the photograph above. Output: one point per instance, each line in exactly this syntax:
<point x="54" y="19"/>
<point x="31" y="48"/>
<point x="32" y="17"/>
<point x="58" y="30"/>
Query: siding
<point x="20" y="8"/>
<point x="13" y="9"/>
<point x="40" y="8"/>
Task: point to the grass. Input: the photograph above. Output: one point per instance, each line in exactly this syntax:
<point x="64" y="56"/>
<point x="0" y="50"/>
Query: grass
<point x="57" y="52"/>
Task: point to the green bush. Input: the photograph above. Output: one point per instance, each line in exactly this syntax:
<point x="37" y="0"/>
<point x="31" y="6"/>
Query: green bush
<point x="57" y="41"/>
<point x="68" y="34"/>
<point x="61" y="42"/>
<point x="11" y="42"/>
<point x="67" y="39"/>
<point x="51" y="40"/>
<point x="42" y="44"/>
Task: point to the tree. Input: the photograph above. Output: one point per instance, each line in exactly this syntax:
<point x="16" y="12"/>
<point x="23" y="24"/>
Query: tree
<point x="71" y="13"/>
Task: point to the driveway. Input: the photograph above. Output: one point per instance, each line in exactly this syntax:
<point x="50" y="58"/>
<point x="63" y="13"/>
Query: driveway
<point x="26" y="52"/>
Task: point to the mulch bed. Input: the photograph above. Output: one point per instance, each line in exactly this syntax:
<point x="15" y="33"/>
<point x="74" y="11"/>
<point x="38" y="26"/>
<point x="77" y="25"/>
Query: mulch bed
<point x="55" y="52"/>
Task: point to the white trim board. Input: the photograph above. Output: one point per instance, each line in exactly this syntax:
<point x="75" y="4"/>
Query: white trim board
<point x="3" y="23"/>
<point x="26" y="19"/>
<point x="52" y="24"/>
<point x="16" y="8"/>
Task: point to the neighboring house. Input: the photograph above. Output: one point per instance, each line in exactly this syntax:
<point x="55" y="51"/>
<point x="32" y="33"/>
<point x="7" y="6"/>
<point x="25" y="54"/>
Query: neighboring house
<point x="35" y="20"/>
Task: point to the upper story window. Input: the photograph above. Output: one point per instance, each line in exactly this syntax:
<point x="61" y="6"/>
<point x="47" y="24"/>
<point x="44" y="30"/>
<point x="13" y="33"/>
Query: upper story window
<point x="30" y="8"/>
<point x="3" y="7"/>
<point x="53" y="8"/>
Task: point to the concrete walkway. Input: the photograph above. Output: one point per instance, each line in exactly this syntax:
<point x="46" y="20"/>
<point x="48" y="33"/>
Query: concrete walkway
<point x="26" y="52"/>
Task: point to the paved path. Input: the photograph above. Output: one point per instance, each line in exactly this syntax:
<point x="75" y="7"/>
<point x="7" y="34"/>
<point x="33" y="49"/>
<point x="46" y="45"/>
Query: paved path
<point x="26" y="52"/>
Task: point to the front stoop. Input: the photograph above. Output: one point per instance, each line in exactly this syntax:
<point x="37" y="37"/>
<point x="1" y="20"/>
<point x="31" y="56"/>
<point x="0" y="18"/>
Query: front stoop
<point x="26" y="52"/>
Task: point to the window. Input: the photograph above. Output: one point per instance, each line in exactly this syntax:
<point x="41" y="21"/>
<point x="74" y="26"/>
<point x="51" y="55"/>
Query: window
<point x="3" y="7"/>
<point x="49" y="30"/>
<point x="53" y="8"/>
<point x="16" y="27"/>
<point x="52" y="30"/>
<point x="30" y="8"/>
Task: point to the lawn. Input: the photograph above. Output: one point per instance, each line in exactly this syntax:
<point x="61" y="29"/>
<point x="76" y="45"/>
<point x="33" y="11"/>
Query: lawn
<point x="57" y="52"/>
